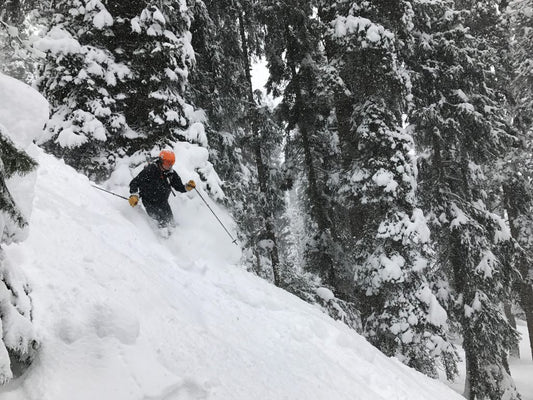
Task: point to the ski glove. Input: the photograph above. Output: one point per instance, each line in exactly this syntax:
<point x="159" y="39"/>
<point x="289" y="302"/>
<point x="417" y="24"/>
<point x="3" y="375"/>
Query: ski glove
<point x="190" y="185"/>
<point x="133" y="200"/>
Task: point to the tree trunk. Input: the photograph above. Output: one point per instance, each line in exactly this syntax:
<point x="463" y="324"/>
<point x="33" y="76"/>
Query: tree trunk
<point x="343" y="112"/>
<point x="262" y="175"/>
<point x="526" y="298"/>
<point x="318" y="213"/>
<point x="526" y="288"/>
<point x="457" y="255"/>
<point x="467" y="391"/>
<point x="507" y="307"/>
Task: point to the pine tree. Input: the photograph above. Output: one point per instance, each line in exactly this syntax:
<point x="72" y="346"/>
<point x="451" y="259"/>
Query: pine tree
<point x="79" y="79"/>
<point x="518" y="185"/>
<point x="15" y="50"/>
<point x="460" y="130"/>
<point x="383" y="230"/>
<point x="18" y="342"/>
<point x="521" y="23"/>
<point x="246" y="138"/>
<point x="518" y="203"/>
<point x="160" y="55"/>
<point x="305" y="109"/>
<point x="8" y="32"/>
<point x="115" y="76"/>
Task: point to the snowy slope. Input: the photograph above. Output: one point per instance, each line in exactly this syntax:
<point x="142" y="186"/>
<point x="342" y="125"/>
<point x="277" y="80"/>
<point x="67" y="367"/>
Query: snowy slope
<point x="124" y="314"/>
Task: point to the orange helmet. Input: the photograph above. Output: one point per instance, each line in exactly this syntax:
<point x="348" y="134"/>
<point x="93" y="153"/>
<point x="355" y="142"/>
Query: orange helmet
<point x="167" y="158"/>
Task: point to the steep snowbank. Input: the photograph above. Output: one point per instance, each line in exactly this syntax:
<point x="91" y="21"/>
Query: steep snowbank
<point x="123" y="314"/>
<point x="23" y="113"/>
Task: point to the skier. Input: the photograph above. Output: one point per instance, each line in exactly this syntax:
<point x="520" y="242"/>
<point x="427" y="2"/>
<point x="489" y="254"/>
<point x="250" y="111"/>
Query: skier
<point x="154" y="185"/>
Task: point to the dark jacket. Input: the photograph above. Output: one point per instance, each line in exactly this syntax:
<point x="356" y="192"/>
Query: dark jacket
<point x="154" y="185"/>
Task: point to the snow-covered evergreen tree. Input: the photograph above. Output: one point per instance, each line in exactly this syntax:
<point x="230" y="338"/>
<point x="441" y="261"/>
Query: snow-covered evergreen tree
<point x="295" y="61"/>
<point x="9" y="62"/>
<point x="245" y="137"/>
<point x="383" y="228"/>
<point x="518" y="203"/>
<point x="521" y="24"/>
<point x="460" y="130"/>
<point x="154" y="40"/>
<point x="517" y="178"/>
<point x="19" y="343"/>
<point x="115" y="75"/>
<point x="79" y="78"/>
<point x="15" y="50"/>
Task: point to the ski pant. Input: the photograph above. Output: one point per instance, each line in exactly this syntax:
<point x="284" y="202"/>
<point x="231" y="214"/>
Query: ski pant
<point x="161" y="212"/>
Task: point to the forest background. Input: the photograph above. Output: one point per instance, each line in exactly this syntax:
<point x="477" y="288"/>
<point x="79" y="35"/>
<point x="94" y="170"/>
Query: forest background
<point x="393" y="171"/>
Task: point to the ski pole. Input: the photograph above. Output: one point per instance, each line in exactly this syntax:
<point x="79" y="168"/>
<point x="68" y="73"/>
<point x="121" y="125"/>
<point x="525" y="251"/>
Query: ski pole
<point x="107" y="191"/>
<point x="218" y="219"/>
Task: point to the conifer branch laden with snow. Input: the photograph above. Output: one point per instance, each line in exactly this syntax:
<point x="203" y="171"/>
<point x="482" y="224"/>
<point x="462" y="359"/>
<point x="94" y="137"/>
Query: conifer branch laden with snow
<point x="19" y="343"/>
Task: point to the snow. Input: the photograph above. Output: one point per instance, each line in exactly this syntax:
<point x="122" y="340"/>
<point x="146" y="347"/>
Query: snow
<point x="418" y="226"/>
<point x="102" y="19"/>
<point x="359" y="175"/>
<point x="392" y="267"/>
<point x="462" y="95"/>
<point x="171" y="36"/>
<point x="171" y="74"/>
<point x="135" y="25"/>
<point x="12" y="31"/>
<point x="485" y="266"/>
<point x="460" y="217"/>
<point x="196" y="133"/>
<point x="522" y="369"/>
<point x="22" y="131"/>
<point x="158" y="16"/>
<point x="75" y="131"/>
<point x="188" y="50"/>
<point x="194" y="115"/>
<point x="527" y="11"/>
<point x="407" y="229"/>
<point x="26" y="101"/>
<point x="58" y="41"/>
<point x="436" y="314"/>
<point x="325" y="294"/>
<point x="18" y="334"/>
<point x="123" y="314"/>
<point x="385" y="178"/>
<point x="94" y="69"/>
<point x="154" y="30"/>
<point x="343" y="26"/>
<point x="373" y="34"/>
<point x="503" y="233"/>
